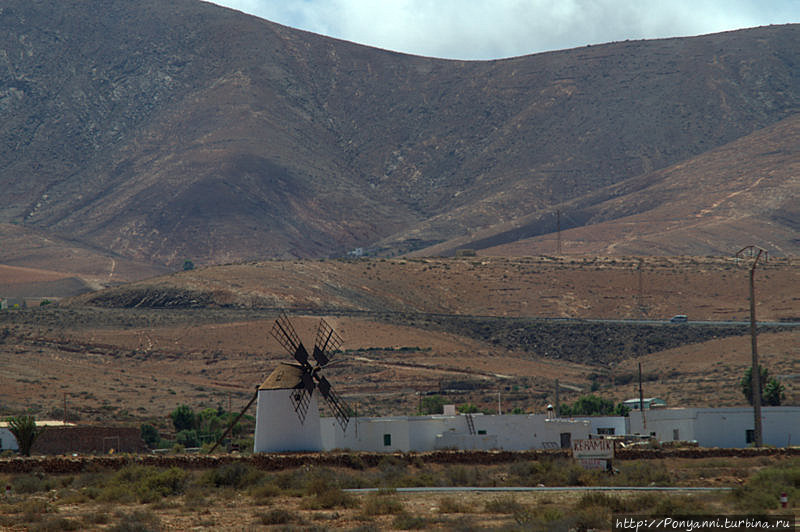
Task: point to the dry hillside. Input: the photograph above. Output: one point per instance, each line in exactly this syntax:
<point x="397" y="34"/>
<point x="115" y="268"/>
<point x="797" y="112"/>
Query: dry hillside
<point x="161" y="132"/>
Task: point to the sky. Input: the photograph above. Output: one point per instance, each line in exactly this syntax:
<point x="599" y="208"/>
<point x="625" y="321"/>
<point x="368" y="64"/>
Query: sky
<point x="494" y="29"/>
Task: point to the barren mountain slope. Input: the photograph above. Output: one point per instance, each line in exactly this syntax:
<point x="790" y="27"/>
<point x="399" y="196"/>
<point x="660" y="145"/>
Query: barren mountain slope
<point x="165" y="131"/>
<point x="746" y="192"/>
<point x="564" y="287"/>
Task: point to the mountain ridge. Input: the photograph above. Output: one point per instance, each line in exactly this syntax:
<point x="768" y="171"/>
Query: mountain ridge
<point x="166" y="132"/>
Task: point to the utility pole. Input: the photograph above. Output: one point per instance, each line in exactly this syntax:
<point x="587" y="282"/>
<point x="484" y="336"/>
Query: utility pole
<point x="558" y="414"/>
<point x="641" y="398"/>
<point x="641" y="287"/>
<point x="558" y="233"/>
<point x="755" y="372"/>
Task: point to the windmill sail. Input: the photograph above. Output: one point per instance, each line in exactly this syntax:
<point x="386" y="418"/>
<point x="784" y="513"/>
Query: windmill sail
<point x="327" y="341"/>
<point x="340" y="409"/>
<point x="283" y="331"/>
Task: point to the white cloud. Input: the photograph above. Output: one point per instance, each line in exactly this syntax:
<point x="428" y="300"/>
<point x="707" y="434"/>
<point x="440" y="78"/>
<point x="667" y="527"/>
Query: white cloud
<point x="488" y="29"/>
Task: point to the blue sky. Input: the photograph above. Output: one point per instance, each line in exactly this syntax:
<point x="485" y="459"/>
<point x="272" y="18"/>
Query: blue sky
<point x="492" y="29"/>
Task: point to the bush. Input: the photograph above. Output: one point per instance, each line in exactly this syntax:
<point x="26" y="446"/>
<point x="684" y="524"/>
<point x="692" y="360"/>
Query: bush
<point x="503" y="505"/>
<point x="382" y="505"/>
<point x="449" y="505"/>
<point x="33" y="483"/>
<point x="406" y="521"/>
<point x="277" y="516"/>
<point x="150" y="435"/>
<point x="762" y="491"/>
<point x="235" y="475"/>
<point x="138" y="521"/>
<point x="144" y="483"/>
<point x="187" y="438"/>
<point x="183" y="418"/>
<point x="332" y="497"/>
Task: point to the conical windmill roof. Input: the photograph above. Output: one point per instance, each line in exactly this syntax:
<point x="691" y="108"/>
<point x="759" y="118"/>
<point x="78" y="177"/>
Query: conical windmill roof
<point x="285" y="377"/>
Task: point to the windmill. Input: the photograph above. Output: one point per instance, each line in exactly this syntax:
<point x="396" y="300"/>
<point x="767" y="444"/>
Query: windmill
<point x="326" y="343"/>
<point x="287" y="415"/>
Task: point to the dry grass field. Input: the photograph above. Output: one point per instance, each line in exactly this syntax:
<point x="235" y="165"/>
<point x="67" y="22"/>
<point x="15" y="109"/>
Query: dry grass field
<point x="239" y="496"/>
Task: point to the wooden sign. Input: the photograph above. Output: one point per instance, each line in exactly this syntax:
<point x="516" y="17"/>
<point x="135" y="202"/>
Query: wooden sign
<point x="599" y="449"/>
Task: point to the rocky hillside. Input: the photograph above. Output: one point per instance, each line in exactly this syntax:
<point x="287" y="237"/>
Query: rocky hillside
<point x="160" y="131"/>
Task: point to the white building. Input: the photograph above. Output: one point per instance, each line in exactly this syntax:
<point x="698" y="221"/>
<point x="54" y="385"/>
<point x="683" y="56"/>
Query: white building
<point x="476" y="431"/>
<point x="719" y="427"/>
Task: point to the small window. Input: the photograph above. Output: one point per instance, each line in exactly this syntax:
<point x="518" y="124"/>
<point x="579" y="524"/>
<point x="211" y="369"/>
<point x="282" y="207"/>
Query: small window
<point x="749" y="435"/>
<point x="387" y="440"/>
<point x="675" y="435"/>
<point x="606" y="431"/>
<point x="481" y="432"/>
<point x="566" y="440"/>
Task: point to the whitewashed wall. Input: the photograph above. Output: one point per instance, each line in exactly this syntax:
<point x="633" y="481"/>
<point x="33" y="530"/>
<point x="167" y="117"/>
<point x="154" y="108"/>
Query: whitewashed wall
<point x="618" y="423"/>
<point x="7" y="440"/>
<point x="278" y="428"/>
<point x="427" y="433"/>
<point x="720" y="427"/>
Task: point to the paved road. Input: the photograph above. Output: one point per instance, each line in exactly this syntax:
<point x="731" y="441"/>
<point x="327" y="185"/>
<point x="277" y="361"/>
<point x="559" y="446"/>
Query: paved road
<point x="446" y="489"/>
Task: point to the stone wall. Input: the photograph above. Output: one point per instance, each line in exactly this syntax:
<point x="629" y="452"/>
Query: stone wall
<point x="66" y="440"/>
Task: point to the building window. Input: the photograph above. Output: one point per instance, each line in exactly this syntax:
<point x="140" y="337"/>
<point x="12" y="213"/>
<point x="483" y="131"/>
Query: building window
<point x="566" y="440"/>
<point x="606" y="431"/>
<point x="675" y="435"/>
<point x="481" y="432"/>
<point x="387" y="440"/>
<point x="749" y="436"/>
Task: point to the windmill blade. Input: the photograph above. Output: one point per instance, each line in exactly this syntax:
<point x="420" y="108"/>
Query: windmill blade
<point x="233" y="423"/>
<point x="301" y="399"/>
<point x="340" y="408"/>
<point x="326" y="343"/>
<point x="284" y="333"/>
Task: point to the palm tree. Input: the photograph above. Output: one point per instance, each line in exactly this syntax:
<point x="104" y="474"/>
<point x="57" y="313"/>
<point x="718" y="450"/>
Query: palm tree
<point x="25" y="431"/>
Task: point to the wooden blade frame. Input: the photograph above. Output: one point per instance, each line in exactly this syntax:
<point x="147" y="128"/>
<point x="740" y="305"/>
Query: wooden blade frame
<point x="327" y="341"/>
<point x="340" y="408"/>
<point x="283" y="331"/>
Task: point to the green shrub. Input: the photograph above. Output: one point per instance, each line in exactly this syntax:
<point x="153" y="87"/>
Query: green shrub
<point x="56" y="524"/>
<point x="679" y="505"/>
<point x="458" y="475"/>
<point x="34" y="509"/>
<point x="762" y="491"/>
<point x="503" y="505"/>
<point x="138" y="521"/>
<point x="382" y="505"/>
<point x="276" y="516"/>
<point x="144" y="483"/>
<point x="33" y="483"/>
<point x="449" y="505"/>
<point x="263" y="493"/>
<point x="331" y="497"/>
<point x="406" y="521"/>
<point x="235" y="475"/>
<point x="603" y="500"/>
